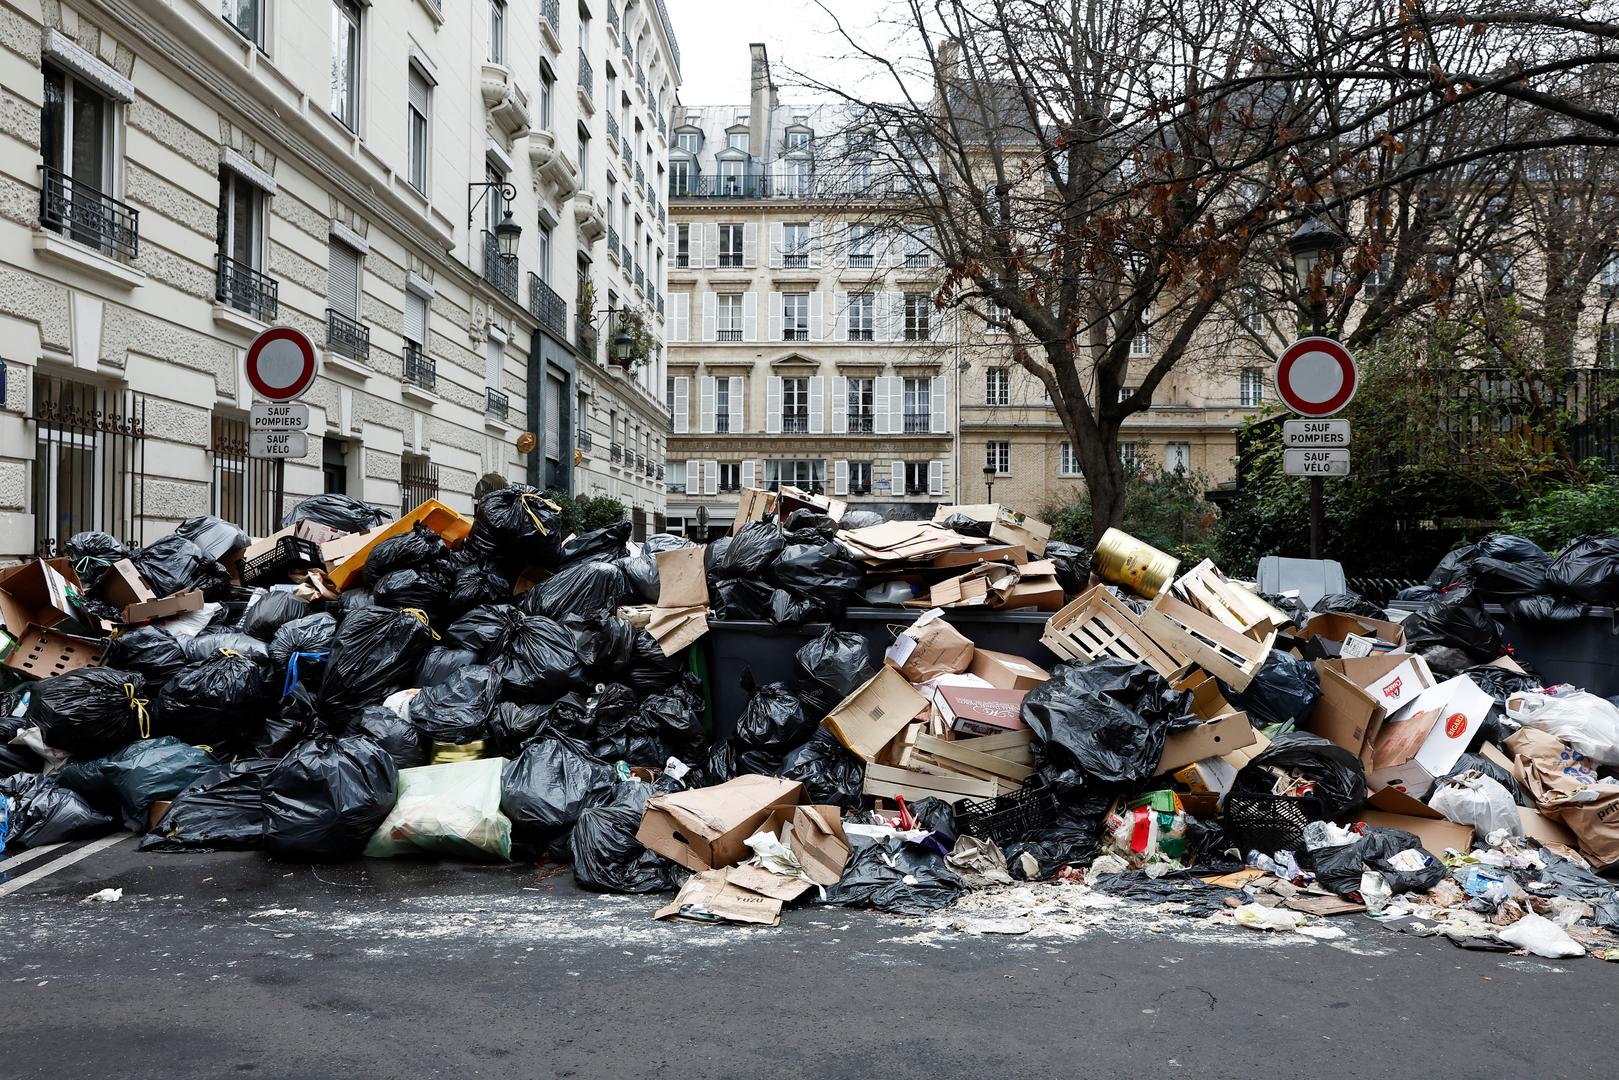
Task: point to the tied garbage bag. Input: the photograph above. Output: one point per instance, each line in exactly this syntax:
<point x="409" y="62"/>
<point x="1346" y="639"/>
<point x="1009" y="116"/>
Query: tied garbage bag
<point x="457" y="710"/>
<point x="546" y="786"/>
<point x="539" y="663"/>
<point x="417" y="549"/>
<point x="511" y="726"/>
<point x="140" y="774"/>
<point x="1283" y="691"/>
<point x="1471" y="798"/>
<point x="150" y="650"/>
<point x="605" y="719"/>
<point x="1503" y="546"/>
<point x="603" y="545"/>
<point x="300" y="649"/>
<point x="174" y="564"/>
<point x="325" y="798"/>
<point x="605" y="644"/>
<point x="92" y="553"/>
<point x="222" y="811"/>
<point x="91" y="711"/>
<point x="1073" y="565"/>
<point x="403" y="741"/>
<point x="272" y="612"/>
<point x="213" y="702"/>
<point x="773" y="720"/>
<point x="441" y="662"/>
<point x="1348" y="603"/>
<point x="41" y="812"/>
<point x="1499" y="580"/>
<point x="749" y="552"/>
<point x="675" y="715"/>
<point x="1584" y="721"/>
<point x="296" y="721"/>
<point x="741" y="599"/>
<point x="210" y="643"/>
<point x="485" y="630"/>
<point x="896" y="877"/>
<point x="426" y="589"/>
<point x="473" y="584"/>
<point x="829" y="772"/>
<point x="374" y="654"/>
<point x="822" y="572"/>
<point x="830" y="668"/>
<point x="517" y="526"/>
<point x="1337" y="778"/>
<point x="588" y="589"/>
<point x="1454" y="631"/>
<point x="1587" y="569"/>
<point x="216" y="537"/>
<point x="451" y="809"/>
<point x="606" y="855"/>
<point x="1103" y="721"/>
<point x="336" y="511"/>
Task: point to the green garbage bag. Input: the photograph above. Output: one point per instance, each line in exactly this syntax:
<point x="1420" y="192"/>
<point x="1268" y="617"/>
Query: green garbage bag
<point x="135" y="777"/>
<point x="451" y="809"/>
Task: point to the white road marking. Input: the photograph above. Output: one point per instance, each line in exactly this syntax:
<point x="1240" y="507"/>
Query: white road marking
<point x="65" y="861"/>
<point x="30" y="855"/>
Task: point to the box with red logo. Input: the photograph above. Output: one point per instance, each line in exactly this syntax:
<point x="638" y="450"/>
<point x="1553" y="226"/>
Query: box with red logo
<point x="1359" y="693"/>
<point x="1414" y="749"/>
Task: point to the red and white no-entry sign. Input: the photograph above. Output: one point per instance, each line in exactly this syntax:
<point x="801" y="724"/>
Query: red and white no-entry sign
<point x="281" y="364"/>
<point x="1316" y="376"/>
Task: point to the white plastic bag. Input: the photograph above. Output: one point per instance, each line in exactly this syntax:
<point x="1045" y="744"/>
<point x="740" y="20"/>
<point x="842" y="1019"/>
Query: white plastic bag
<point x="1542" y="937"/>
<point x="1586" y="722"/>
<point x="1471" y="798"/>
<point x="451" y="809"/>
<point x="1258" y="917"/>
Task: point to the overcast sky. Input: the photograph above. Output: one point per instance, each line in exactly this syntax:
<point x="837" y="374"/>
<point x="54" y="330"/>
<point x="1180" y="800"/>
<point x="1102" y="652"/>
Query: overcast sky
<point x="714" y="36"/>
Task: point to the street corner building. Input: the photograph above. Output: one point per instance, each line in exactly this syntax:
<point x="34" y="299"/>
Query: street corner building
<point x="461" y="208"/>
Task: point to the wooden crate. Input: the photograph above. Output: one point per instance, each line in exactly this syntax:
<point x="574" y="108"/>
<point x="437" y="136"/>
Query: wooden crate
<point x="1205" y="588"/>
<point x="1231" y="657"/>
<point x="1098" y="624"/>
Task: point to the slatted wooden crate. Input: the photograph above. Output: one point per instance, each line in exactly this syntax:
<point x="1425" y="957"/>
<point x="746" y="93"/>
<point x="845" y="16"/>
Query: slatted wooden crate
<point x="1098" y="624"/>
<point x="1205" y="588"/>
<point x="1231" y="657"/>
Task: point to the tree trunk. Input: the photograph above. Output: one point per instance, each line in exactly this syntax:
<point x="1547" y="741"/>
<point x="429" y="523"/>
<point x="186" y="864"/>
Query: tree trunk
<point x="1096" y="447"/>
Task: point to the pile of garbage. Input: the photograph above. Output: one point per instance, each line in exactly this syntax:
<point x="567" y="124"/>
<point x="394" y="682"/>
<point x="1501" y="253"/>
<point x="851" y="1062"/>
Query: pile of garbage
<point x="492" y="689"/>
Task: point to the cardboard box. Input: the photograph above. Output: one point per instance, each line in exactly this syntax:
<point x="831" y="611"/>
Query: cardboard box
<point x="869" y="718"/>
<point x="1005" y="525"/>
<point x="1421" y="744"/>
<point x="1391" y="809"/>
<point x="970" y="710"/>
<point x="815" y="835"/>
<point x="37" y="595"/>
<point x="708" y="828"/>
<point x="928" y="648"/>
<point x="1215" y="738"/>
<point x="1337" y="627"/>
<point x="152" y="610"/>
<point x="41" y="654"/>
<point x="122" y="586"/>
<point x="1005" y="671"/>
<point x="739" y="894"/>
<point x="753" y="505"/>
<point x="1357" y="695"/>
<point x="1010" y="553"/>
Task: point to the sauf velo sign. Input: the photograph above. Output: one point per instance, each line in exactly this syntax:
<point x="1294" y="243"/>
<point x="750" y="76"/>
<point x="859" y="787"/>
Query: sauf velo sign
<point x="1316" y="377"/>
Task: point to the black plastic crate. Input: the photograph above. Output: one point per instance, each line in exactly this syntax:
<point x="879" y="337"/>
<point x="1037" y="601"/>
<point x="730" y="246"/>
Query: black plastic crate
<point x="1008" y="817"/>
<point x="290" y="553"/>
<point x="1269" y="823"/>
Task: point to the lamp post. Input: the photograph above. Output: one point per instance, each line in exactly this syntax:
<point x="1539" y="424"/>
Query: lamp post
<point x="507" y="231"/>
<point x="1314" y="244"/>
<point x="989" y="483"/>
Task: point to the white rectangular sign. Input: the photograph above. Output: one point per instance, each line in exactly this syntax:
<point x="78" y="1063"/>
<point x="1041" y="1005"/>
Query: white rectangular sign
<point x="1315" y="462"/>
<point x="278" y="416"/>
<point x="1315" y="434"/>
<point x="277" y="444"/>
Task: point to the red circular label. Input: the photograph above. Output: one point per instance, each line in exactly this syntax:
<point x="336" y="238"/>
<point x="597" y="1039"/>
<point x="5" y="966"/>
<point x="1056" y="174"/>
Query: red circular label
<point x="1455" y="724"/>
<point x="281" y="363"/>
<point x="1316" y="376"/>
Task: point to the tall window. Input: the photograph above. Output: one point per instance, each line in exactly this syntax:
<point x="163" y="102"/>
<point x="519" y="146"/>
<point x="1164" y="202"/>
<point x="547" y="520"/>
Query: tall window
<point x="729" y="307"/>
<point x="730" y="476"/>
<point x="799" y="176"/>
<point x="807" y="474"/>
<point x="794" y="405"/>
<point x="1067" y="463"/>
<point x="918" y="405"/>
<point x="918" y="316"/>
<point x="247" y="17"/>
<point x="584" y="152"/>
<point x="241" y="247"/>
<point x="497" y="31"/>
<point x="860" y="405"/>
<point x="1609" y="276"/>
<point x="76" y="140"/>
<point x="1177" y="456"/>
<point x="916" y="478"/>
<point x="676" y="477"/>
<point x="548" y="86"/>
<point x="998" y="456"/>
<point x="544" y="266"/>
<point x="731" y="178"/>
<point x="795" y="319"/>
<point x="860" y="317"/>
<point x="795" y="244"/>
<point x="682" y="245"/>
<point x="343" y="279"/>
<point x="730" y="245"/>
<point x="918" y="245"/>
<point x="722" y="406"/>
<point x="680" y="177"/>
<point x="346" y="63"/>
<point x="859" y="478"/>
<point x="1252" y="388"/>
<point x="1141" y="343"/>
<point x="1131" y="455"/>
<point x="998" y="386"/>
<point x="860" y="240"/>
<point x="417" y="111"/>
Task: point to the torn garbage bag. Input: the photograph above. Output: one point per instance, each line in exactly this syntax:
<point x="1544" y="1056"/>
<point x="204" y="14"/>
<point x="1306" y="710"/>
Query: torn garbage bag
<point x="374" y="654"/>
<point x="91" y="711"/>
<point x="457" y="710"/>
<point x="222" y="811"/>
<point x="606" y="855"/>
<point x="546" y="786"/>
<point x="41" y="812"/>
<point x="135" y="777"/>
<point x="893" y="876"/>
<point x="340" y="512"/>
<point x="325" y="798"/>
<point x="1104" y="721"/>
<point x="1396" y="854"/>
<point x="1335" y="777"/>
<point x="452" y="809"/>
<point x="174" y="564"/>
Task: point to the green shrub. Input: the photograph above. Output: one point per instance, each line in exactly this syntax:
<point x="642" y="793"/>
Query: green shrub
<point x="587" y="513"/>
<point x="1164" y="509"/>
<point x="1556" y="517"/>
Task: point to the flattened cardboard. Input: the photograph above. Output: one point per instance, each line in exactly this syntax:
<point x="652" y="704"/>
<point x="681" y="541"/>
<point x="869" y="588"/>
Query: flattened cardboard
<point x="1005" y="671"/>
<point x="1212" y="739"/>
<point x="1012" y="553"/>
<point x="708" y="828"/>
<point x="676" y="628"/>
<point x="151" y="610"/>
<point x="867" y="719"/>
<point x="681" y="580"/>
<point x="712" y="896"/>
<point x="1436" y="836"/>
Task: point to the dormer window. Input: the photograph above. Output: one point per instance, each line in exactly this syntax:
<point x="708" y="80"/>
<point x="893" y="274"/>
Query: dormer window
<point x="798" y="141"/>
<point x="737" y="140"/>
<point x="689" y="141"/>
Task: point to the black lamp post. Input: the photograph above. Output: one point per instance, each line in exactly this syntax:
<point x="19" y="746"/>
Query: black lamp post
<point x="1314" y="244"/>
<point x="989" y="483"/>
<point x="507" y="231"/>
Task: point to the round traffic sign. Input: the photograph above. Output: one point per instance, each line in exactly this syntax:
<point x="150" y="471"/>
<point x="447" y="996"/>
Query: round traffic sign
<point x="1316" y="376"/>
<point x="281" y="363"/>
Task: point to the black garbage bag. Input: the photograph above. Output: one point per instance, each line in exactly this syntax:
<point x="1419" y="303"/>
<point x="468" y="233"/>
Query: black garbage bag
<point x="403" y="740"/>
<point x="896" y="877"/>
<point x="603" y="545"/>
<point x="936" y="816"/>
<point x="374" y="654"/>
<point x="774" y="720"/>
<point x="593" y="716"/>
<point x="130" y="780"/>
<point x="1291" y="606"/>
<point x="806" y="526"/>
<point x="1457" y="621"/>
<point x="92" y="553"/>
<point x="1284" y="690"/>
<point x="1546" y="608"/>
<point x="474" y="584"/>
<point x="300" y="649"/>
<point x="1504" y="546"/>
<point x="1587" y="569"/>
<point x="749" y="552"/>
<point x="222" y="811"/>
<point x="441" y="662"/>
<point x="484" y="630"/>
<point x="511" y="726"/>
<point x="272" y="612"/>
<point x="1073" y="565"/>
<point x="859" y="519"/>
<point x="740" y="598"/>
<point x="1479" y="763"/>
<point x="517" y="526"/>
<point x="544" y="788"/>
<point x="297" y="721"/>
<point x="1338" y="776"/>
<point x="539" y="662"/>
<point x="822" y="571"/>
<point x="1102" y="722"/>
<point x="1339" y="868"/>
<point x="215" y="536"/>
<point x="788" y="609"/>
<point x="966" y="526"/>
<point x="215" y="702"/>
<point x="457" y="710"/>
<point x="1348" y="603"/>
<point x="1501" y="580"/>
<point x="325" y="798"/>
<point x="1417" y="594"/>
<point x="417" y="549"/>
<point x="675" y="715"/>
<point x="606" y="855"/>
<point x="174" y="564"/>
<point x="150" y="650"/>
<point x="583" y="589"/>
<point x="44" y="812"/>
<point x="354" y="600"/>
<point x="641" y="571"/>
<point x="829" y="668"/>
<point x="605" y="644"/>
<point x="1073" y="836"/>
<point x="211" y="643"/>
<point x="1501" y="683"/>
<point x="426" y="590"/>
<point x="650" y="670"/>
<point x="18" y="759"/>
<point x="91" y="711"/>
<point x="338" y="512"/>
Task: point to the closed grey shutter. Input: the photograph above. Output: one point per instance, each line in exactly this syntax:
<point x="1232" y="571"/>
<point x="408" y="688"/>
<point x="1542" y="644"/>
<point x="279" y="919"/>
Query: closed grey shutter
<point x="343" y="279"/>
<point x="418" y="92"/>
<point x="415" y="319"/>
<point x="553" y="415"/>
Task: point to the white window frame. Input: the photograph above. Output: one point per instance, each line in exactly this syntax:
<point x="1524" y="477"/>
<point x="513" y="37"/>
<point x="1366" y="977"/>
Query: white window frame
<point x="862" y="316"/>
<point x="1141" y="343"/>
<point x="255" y="33"/>
<point x="918" y="316"/>
<point x="1251" y="388"/>
<point x="1067" y="460"/>
<point x="418" y="129"/>
<point x="795" y="244"/>
<point x="856" y="469"/>
<point x="732" y="257"/>
<point x="795" y="316"/>
<point x="497" y="31"/>
<point x="348" y="20"/>
<point x="998" y="456"/>
<point x="998" y="386"/>
<point x="728" y="315"/>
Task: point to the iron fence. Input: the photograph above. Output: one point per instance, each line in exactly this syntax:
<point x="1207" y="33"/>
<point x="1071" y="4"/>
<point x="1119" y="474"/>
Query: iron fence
<point x="498" y="269"/>
<point x="547" y="305"/>
<point x="496" y="404"/>
<point x="418" y="482"/>
<point x="347" y="337"/>
<point x="89" y="461"/>
<point x="248" y="291"/>
<point x="247" y="491"/>
<point x="420" y="369"/>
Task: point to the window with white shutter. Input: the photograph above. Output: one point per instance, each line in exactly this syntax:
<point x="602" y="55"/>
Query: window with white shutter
<point x="707" y="405"/>
<point x="711" y="478"/>
<point x="773" y="405"/>
<point x="840" y="477"/>
<point x="738" y="404"/>
<point x="749" y="474"/>
<point x="936" y="478"/>
<point x="415" y="329"/>
<point x="817" y="405"/>
<point x="681" y="405"/>
<point x="940" y="403"/>
<point x="694" y="477"/>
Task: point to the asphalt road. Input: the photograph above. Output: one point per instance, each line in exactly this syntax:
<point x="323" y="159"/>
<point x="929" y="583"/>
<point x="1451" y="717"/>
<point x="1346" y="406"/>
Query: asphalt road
<point x="233" y="965"/>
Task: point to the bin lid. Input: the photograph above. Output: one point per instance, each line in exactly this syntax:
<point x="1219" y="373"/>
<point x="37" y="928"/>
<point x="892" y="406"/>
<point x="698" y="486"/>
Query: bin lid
<point x="1311" y="578"/>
